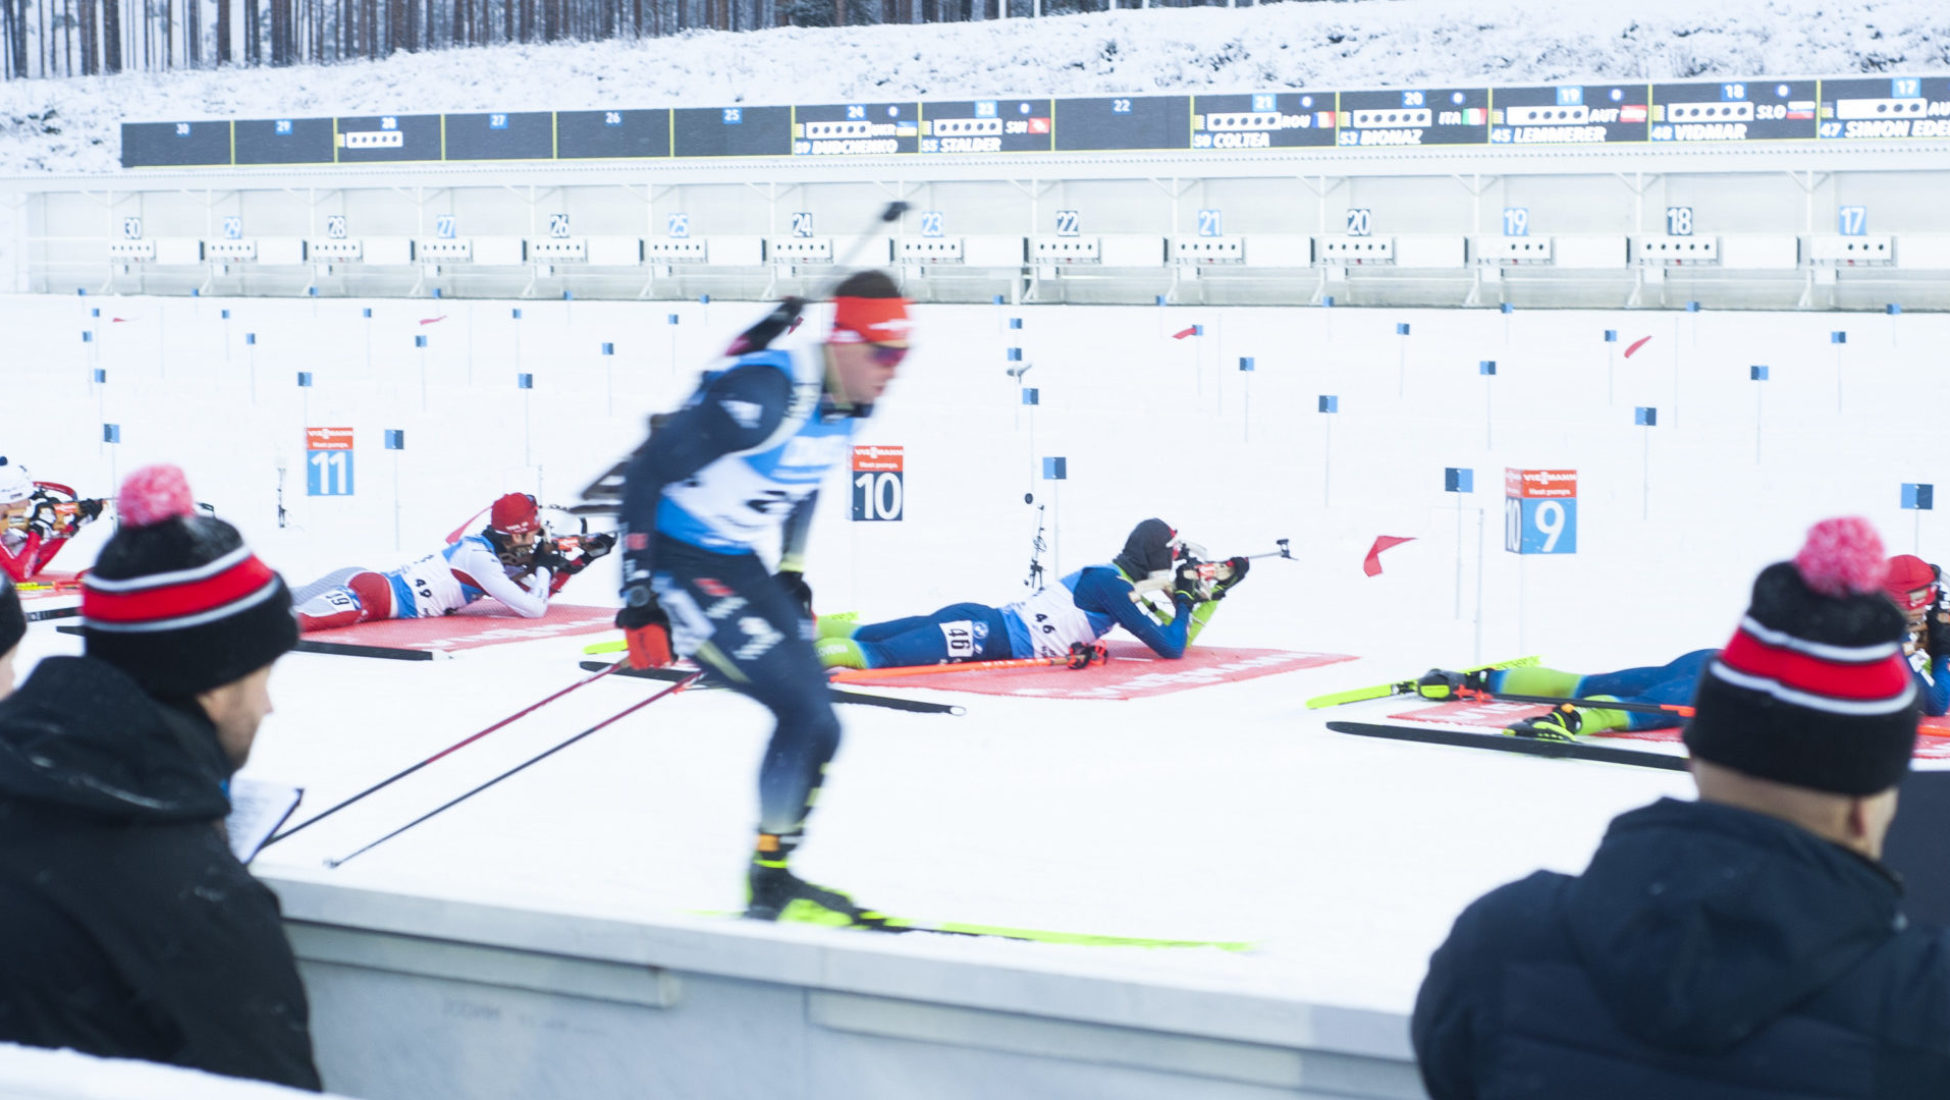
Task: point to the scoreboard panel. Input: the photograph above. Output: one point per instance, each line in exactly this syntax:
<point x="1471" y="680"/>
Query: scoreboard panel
<point x="383" y="138"/>
<point x="987" y="126"/>
<point x="1884" y="107"/>
<point x="586" y="134"/>
<point x="175" y="144"/>
<point x="283" y="141"/>
<point x="731" y="131"/>
<point x="856" y="130"/>
<point x="1761" y="110"/>
<point x="1123" y="122"/>
<point x="1266" y="120"/>
<point x="526" y="135"/>
<point x="1414" y="116"/>
<point x="1573" y="114"/>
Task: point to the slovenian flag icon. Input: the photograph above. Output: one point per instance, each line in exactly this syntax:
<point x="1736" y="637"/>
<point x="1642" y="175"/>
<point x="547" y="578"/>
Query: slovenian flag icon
<point x="1801" y="109"/>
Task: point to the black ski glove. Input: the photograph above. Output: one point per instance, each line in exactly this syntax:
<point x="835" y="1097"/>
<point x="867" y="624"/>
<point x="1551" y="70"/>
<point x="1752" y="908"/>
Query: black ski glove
<point x="794" y="583"/>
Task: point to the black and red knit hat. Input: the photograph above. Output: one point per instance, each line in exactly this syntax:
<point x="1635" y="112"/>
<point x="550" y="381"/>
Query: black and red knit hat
<point x="13" y="621"/>
<point x="1813" y="690"/>
<point x="177" y="601"/>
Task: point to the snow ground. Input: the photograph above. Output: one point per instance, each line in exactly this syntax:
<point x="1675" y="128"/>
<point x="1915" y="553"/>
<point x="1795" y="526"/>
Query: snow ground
<point x="1225" y="812"/>
<point x="72" y="126"/>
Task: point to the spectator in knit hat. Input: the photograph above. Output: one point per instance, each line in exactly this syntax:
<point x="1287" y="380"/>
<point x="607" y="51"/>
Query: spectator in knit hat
<point x="127" y="927"/>
<point x="13" y="627"/>
<point x="1748" y="944"/>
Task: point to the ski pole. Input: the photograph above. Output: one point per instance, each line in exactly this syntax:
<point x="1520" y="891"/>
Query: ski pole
<point x="1075" y="659"/>
<point x="536" y="759"/>
<point x="397" y="776"/>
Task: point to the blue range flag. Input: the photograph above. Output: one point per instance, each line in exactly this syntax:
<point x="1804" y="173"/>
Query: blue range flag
<point x="609" y="348"/>
<point x="367" y="313"/>
<point x="670" y="319"/>
<point x="1015" y="322"/>
<point x="1458" y="479"/>
<point x="1015" y="355"/>
<point x="1611" y="336"/>
<point x="1056" y="469"/>
<point x="1487" y="366"/>
<point x="1838" y="337"/>
<point x="304" y="379"/>
<point x="395" y="439"/>
<point x="524" y="381"/>
<point x="419" y="340"/>
<point x="1692" y="307"/>
<point x="1329" y="403"/>
<point x="1507" y="308"/>
<point x="250" y="338"/>
<point x="1892" y="309"/>
<point x="1757" y="372"/>
<point x="101" y="375"/>
<point x="1401" y="328"/>
<point x="1646" y="416"/>
<point x="87" y="337"/>
<point x="1919" y="497"/>
<point x="1245" y="362"/>
<point x="1032" y="396"/>
<point x="111" y="433"/>
<point x="515" y="313"/>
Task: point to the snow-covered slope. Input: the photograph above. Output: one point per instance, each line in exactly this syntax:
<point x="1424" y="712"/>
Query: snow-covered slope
<point x="71" y="125"/>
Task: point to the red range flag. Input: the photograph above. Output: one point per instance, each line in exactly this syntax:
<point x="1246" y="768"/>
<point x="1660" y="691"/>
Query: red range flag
<point x="433" y="320"/>
<point x="120" y="320"/>
<point x="1636" y="345"/>
<point x="1194" y="330"/>
<point x="1372" y="566"/>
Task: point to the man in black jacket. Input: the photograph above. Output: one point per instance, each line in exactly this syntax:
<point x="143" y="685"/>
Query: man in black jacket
<point x="127" y="927"/>
<point x="1748" y="944"/>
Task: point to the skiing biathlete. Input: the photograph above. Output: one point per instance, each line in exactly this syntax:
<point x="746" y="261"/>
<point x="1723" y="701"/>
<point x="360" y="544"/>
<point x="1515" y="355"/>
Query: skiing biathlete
<point x="1909" y="581"/>
<point x="37" y="518"/>
<point x="744" y="458"/>
<point x="1081" y="608"/>
<point x="504" y="561"/>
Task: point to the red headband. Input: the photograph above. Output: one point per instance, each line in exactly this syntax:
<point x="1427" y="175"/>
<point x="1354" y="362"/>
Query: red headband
<point x="870" y="321"/>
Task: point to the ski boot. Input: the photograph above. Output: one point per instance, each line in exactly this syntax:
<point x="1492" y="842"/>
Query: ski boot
<point x="774" y="893"/>
<point x="840" y="653"/>
<point x="1561" y="724"/>
<point x="839" y="625"/>
<point x="1438" y="683"/>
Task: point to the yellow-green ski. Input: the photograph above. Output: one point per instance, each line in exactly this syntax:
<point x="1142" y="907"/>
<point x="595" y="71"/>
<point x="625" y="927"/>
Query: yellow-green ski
<point x="1402" y="687"/>
<point x="887" y="924"/>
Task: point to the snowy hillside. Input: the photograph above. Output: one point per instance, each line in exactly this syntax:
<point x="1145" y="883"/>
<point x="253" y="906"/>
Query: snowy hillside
<point x="71" y="125"/>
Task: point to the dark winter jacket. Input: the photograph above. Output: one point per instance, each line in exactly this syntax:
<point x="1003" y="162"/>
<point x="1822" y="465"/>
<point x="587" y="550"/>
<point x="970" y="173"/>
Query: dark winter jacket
<point x="1706" y="952"/>
<point x="127" y="928"/>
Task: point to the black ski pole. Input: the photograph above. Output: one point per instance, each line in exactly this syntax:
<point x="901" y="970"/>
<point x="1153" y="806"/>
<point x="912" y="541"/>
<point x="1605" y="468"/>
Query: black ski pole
<point x="397" y="776"/>
<point x="536" y="759"/>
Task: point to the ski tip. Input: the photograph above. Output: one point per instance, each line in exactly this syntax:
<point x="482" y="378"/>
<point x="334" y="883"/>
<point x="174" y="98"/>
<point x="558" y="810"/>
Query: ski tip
<point x="613" y="646"/>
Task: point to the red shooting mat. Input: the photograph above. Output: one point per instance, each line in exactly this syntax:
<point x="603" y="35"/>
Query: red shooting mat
<point x="482" y="623"/>
<point x="1490" y="717"/>
<point x="1133" y="672"/>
